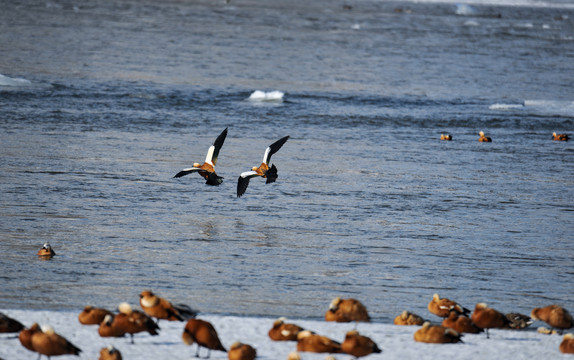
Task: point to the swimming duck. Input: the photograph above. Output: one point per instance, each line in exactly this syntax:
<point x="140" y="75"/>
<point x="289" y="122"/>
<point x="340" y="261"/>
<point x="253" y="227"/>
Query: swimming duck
<point x="358" y="345"/>
<point x="560" y="137"/>
<point x="93" y="316"/>
<point x="46" y="251"/>
<point x="240" y="351"/>
<point x="284" y="332"/>
<point x="447" y="137"/>
<point x="161" y="308"/>
<point x="436" y="334"/>
<point x="554" y="315"/>
<point x="270" y="173"/>
<point x="483" y="138"/>
<point x="408" y="318"/>
<point x="442" y="307"/>
<point x="203" y="334"/>
<point x="488" y="318"/>
<point x="207" y="170"/>
<point x="347" y="310"/>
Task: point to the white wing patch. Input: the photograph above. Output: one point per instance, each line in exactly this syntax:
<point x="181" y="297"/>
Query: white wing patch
<point x="248" y="174"/>
<point x="209" y="156"/>
<point x="285" y="332"/>
<point x="265" y="159"/>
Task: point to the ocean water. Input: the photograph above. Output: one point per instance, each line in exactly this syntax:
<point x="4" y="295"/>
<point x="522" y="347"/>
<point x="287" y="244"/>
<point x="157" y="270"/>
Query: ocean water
<point x="101" y="103"/>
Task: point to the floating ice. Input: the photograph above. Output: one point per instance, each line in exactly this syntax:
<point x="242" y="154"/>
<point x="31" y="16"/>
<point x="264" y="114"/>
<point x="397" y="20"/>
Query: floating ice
<point x="258" y="95"/>
<point x="7" y="81"/>
<point x="464" y="9"/>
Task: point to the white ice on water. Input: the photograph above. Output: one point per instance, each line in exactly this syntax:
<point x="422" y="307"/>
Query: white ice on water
<point x="8" y="81"/>
<point x="395" y="341"/>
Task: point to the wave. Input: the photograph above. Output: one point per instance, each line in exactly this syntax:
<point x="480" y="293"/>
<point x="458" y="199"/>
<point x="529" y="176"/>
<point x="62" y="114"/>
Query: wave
<point x="8" y="81"/>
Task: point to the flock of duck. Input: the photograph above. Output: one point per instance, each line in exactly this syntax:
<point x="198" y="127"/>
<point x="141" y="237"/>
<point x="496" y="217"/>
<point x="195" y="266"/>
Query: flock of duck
<point x="207" y="169"/>
<point x="456" y="321"/>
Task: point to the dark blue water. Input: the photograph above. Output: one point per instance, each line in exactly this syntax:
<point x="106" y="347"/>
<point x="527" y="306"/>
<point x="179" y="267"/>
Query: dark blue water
<point x="369" y="202"/>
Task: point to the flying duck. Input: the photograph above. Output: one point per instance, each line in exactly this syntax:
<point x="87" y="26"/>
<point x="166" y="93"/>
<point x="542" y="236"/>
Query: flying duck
<point x="270" y="173"/>
<point x="207" y="170"/>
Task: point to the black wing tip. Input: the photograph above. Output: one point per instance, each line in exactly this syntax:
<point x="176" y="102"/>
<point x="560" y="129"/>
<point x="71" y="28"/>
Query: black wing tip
<point x="242" y="184"/>
<point x="180" y="174"/>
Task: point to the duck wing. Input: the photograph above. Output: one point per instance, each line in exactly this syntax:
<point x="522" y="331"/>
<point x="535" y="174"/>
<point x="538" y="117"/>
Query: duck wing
<point x="273" y="148"/>
<point x="243" y="181"/>
<point x="186" y="172"/>
<point x="213" y="151"/>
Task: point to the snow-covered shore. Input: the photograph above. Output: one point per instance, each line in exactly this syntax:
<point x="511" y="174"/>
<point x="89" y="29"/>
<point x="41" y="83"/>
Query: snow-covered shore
<point x="395" y="341"/>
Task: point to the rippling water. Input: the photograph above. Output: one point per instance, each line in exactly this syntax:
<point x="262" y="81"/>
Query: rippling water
<point x="369" y="203"/>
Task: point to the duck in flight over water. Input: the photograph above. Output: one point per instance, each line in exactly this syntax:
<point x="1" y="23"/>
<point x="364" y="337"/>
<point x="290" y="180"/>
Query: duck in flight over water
<point x="207" y="170"/>
<point x="270" y="173"/>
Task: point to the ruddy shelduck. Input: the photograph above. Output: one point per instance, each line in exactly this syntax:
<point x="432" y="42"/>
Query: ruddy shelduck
<point x="560" y="137"/>
<point x="358" y="345"/>
<point x="110" y="327"/>
<point x="442" y="307"/>
<point x="347" y="310"/>
<point x="309" y="342"/>
<point x="567" y="344"/>
<point x="270" y="173"/>
<point x="408" y="318"/>
<point x="92" y="315"/>
<point x="47" y="342"/>
<point x="134" y="321"/>
<point x="240" y="351"/>
<point x="203" y="334"/>
<point x="46" y="251"/>
<point x="282" y="331"/>
<point x="207" y="169"/>
<point x="110" y="353"/>
<point x="446" y="137"/>
<point x="554" y="315"/>
<point x="294" y="355"/>
<point x="9" y="325"/>
<point x="487" y="318"/>
<point x="483" y="138"/>
<point x="460" y="323"/>
<point x="25" y="336"/>
<point x="436" y="334"/>
<point x="161" y="308"/>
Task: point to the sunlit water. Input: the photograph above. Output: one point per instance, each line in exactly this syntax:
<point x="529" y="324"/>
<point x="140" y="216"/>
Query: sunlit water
<point x="103" y="102"/>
